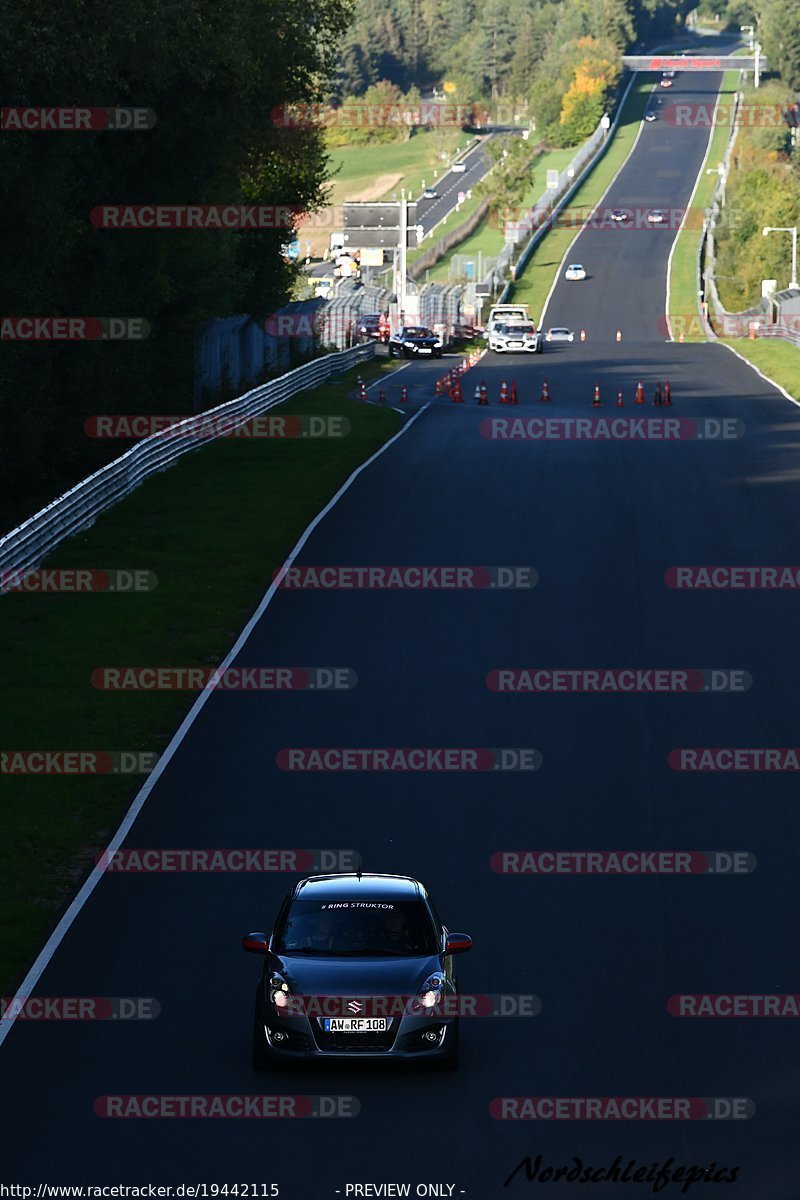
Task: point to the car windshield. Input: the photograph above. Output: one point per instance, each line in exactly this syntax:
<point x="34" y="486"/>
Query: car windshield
<point x="416" y="331"/>
<point x="364" y="928"/>
<point x="512" y="330"/>
<point x="554" y="332"/>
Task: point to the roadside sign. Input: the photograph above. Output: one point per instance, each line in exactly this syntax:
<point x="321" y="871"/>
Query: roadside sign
<point x="552" y="179"/>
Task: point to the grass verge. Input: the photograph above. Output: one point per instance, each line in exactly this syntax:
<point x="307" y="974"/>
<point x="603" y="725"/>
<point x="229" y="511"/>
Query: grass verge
<point x="683" y="281"/>
<point x="212" y="528"/>
<point x="536" y="280"/>
<point x="780" y="361"/>
<point x="414" y="160"/>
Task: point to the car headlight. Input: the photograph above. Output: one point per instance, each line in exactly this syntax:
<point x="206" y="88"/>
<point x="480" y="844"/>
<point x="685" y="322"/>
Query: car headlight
<point x="409" y="344"/>
<point x="279" y="993"/>
<point x="432" y="992"/>
<point x="438" y="345"/>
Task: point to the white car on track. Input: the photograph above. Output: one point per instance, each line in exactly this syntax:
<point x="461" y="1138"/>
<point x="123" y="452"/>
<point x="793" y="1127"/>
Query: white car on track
<point x="513" y="337"/>
<point x="575" y="271"/>
<point x="656" y="217"/>
<point x="559" y="333"/>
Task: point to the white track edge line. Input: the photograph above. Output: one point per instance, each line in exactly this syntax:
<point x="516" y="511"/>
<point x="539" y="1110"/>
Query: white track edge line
<point x="688" y="208"/>
<point x="582" y="229"/>
<point x="757" y="370"/>
<point x="90" y="883"/>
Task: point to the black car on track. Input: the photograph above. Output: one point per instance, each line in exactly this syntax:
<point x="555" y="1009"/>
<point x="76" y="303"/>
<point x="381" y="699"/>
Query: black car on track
<point x="358" y="966"/>
<point x="414" y="340"/>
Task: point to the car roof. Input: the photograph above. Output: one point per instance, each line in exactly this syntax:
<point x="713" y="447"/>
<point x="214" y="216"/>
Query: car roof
<point x="353" y="885"/>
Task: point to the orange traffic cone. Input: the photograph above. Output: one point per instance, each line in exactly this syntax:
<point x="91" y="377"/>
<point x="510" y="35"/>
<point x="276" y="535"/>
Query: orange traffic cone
<point x="667" y="392"/>
<point x="639" y="397"/>
<point x="545" y="390"/>
<point x="484" y="397"/>
<point x="362" y="389"/>
<point x="620" y="401"/>
<point x="438" y="387"/>
<point x="619" y="335"/>
<point x="583" y="335"/>
<point x="504" y="392"/>
<point x="455" y="392"/>
<point x="657" y="396"/>
<point x="596" y="402"/>
<point x="404" y="394"/>
<point x="512" y="396"/>
<point x="477" y="393"/>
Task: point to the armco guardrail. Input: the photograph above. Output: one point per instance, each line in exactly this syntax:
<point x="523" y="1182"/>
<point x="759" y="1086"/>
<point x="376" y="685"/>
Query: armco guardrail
<point x="778" y="330"/>
<point x="26" y="546"/>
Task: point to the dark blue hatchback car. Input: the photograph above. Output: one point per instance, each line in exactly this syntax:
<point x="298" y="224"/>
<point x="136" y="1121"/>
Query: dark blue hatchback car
<point x="357" y="966"/>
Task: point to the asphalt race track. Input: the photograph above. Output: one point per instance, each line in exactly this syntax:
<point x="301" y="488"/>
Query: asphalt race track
<point x="447" y="186"/>
<point x="601" y="521"/>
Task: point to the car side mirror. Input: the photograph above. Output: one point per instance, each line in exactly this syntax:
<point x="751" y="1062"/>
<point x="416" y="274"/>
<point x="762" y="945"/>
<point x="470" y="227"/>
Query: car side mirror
<point x="256" y="943"/>
<point x="457" y="943"/>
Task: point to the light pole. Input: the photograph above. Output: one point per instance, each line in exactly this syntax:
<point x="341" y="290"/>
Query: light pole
<point x="792" y="229"/>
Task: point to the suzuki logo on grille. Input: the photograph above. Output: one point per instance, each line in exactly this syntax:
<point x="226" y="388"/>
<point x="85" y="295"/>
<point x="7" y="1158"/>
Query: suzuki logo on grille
<point x="355" y="1006"/>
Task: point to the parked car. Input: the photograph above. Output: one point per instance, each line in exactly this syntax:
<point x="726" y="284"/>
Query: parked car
<point x="375" y="326"/>
<point x="467" y="332"/>
<point x="368" y="324"/>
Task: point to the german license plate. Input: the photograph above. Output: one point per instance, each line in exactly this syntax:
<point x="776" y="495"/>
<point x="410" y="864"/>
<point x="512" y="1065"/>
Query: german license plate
<point x="355" y="1024"/>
